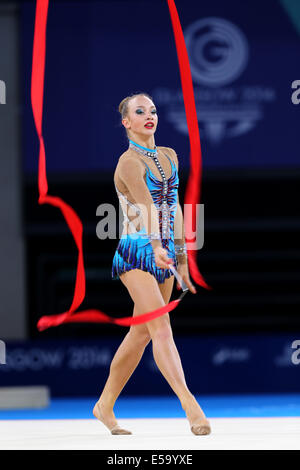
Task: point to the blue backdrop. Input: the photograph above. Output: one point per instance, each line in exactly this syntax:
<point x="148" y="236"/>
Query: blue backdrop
<point x="244" y="57"/>
<point x="219" y="364"/>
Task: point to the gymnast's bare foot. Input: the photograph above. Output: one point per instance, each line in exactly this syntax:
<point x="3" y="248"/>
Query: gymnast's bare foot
<point x="107" y="417"/>
<point x="198" y="422"/>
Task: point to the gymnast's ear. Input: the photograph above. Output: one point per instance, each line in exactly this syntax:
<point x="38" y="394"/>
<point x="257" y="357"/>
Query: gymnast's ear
<point x="125" y="123"/>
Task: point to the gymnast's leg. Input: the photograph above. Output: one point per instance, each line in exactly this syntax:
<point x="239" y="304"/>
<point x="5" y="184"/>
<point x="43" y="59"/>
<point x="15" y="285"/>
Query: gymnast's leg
<point x="147" y="296"/>
<point x="125" y="361"/>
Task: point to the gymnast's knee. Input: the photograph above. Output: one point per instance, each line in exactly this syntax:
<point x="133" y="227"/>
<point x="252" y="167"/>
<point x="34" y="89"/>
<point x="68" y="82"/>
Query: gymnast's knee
<point x="160" y="329"/>
<point x="140" y="338"/>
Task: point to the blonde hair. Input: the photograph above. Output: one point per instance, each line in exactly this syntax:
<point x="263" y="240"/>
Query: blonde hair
<point x="123" y="106"/>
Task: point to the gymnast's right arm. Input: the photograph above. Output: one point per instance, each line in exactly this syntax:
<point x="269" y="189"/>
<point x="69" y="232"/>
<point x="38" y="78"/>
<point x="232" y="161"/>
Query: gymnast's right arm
<point x="131" y="174"/>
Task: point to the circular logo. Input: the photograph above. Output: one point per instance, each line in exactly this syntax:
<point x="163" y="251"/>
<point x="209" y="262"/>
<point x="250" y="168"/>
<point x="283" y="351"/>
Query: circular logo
<point x="218" y="51"/>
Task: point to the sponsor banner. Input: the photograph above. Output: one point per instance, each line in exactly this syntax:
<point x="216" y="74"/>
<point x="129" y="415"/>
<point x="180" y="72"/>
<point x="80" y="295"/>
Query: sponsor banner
<point x="212" y="365"/>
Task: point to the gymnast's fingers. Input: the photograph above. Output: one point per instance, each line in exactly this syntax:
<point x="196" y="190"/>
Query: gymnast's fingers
<point x="163" y="261"/>
<point x="188" y="283"/>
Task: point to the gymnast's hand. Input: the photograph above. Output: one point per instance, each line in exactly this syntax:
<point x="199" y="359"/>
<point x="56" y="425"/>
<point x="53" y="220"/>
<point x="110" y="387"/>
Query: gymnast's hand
<point x="182" y="269"/>
<point x="161" y="258"/>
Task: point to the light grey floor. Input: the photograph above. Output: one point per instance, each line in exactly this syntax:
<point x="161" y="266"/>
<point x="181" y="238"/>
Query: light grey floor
<point x="148" y="434"/>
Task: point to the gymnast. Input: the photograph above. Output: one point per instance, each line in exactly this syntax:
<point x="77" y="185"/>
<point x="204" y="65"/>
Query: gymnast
<point x="146" y="181"/>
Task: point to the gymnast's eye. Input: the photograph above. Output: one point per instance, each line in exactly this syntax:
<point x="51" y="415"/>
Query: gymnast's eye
<point x="139" y="111"/>
<point x="154" y="111"/>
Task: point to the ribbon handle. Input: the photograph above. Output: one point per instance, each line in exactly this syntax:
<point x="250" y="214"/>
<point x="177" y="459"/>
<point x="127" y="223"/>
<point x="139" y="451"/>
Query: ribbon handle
<point x="183" y="285"/>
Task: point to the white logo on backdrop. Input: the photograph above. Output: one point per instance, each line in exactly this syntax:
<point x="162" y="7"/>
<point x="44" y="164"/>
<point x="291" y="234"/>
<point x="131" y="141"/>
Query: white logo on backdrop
<point x="36" y="359"/>
<point x="218" y="51"/>
<point x="219" y="54"/>
<point x="223" y="355"/>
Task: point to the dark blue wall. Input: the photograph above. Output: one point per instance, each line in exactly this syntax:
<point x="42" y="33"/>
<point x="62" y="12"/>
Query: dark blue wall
<point x="244" y="57"/>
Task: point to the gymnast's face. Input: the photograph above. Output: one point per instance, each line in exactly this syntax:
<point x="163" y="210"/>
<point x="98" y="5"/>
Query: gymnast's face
<point x="141" y="118"/>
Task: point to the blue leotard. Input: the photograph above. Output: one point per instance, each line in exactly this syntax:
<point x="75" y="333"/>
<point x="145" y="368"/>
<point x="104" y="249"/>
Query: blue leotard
<point x="134" y="250"/>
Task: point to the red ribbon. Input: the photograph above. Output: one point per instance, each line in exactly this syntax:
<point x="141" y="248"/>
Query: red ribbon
<point x="192" y="194"/>
<point x="73" y="221"/>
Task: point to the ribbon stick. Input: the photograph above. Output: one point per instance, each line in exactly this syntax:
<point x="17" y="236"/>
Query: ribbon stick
<point x="192" y="194"/>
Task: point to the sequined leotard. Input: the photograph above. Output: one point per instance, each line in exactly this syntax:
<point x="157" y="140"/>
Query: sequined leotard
<point x="134" y="250"/>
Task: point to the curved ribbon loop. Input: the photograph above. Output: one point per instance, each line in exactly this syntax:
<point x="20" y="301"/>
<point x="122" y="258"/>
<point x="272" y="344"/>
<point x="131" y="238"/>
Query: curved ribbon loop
<point x="72" y="219"/>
